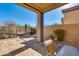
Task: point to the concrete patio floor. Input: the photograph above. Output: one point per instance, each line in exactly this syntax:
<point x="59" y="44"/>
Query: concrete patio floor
<point x="31" y="47"/>
<point x="21" y="46"/>
<point x="8" y="45"/>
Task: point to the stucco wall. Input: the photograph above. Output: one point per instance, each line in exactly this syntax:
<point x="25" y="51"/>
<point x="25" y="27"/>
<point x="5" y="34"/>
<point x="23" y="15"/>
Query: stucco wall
<point x="71" y="17"/>
<point x="72" y="32"/>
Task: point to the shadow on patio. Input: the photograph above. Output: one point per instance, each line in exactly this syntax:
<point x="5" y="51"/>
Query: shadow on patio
<point x="34" y="44"/>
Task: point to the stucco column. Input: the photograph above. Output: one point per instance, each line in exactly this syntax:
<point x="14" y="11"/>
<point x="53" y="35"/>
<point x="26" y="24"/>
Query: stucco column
<point x="40" y="27"/>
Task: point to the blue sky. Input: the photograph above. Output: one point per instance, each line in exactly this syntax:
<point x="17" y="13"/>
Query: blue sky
<point x="23" y="16"/>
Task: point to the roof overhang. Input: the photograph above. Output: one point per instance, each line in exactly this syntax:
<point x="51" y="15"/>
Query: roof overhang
<point x="41" y="7"/>
<point x="71" y="9"/>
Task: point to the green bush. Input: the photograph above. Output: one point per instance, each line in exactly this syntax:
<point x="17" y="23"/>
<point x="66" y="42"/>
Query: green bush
<point x="33" y="31"/>
<point x="60" y="33"/>
<point x="51" y="37"/>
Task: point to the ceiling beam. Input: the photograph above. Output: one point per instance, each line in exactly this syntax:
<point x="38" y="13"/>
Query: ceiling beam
<point x="37" y="9"/>
<point x="26" y="5"/>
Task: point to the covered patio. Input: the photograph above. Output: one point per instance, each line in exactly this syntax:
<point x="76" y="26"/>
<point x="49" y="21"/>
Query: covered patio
<point x="40" y="9"/>
<point x="35" y="46"/>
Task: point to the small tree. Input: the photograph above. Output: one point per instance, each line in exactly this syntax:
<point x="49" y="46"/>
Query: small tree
<point x="26" y="27"/>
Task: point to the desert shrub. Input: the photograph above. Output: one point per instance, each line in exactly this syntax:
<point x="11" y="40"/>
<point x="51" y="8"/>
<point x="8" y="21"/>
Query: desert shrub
<point x="33" y="31"/>
<point x="60" y="33"/>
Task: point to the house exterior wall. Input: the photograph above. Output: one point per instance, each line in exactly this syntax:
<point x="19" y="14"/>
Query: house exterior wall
<point x="72" y="32"/>
<point x="70" y="24"/>
<point x="71" y="17"/>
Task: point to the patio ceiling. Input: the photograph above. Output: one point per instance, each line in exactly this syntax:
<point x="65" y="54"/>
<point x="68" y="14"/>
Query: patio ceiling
<point x="41" y="7"/>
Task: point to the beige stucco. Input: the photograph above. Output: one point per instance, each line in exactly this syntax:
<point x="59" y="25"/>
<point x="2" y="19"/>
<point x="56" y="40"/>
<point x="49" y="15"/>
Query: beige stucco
<point x="70" y="25"/>
<point x="71" y="17"/>
<point x="72" y="32"/>
<point x="40" y="27"/>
